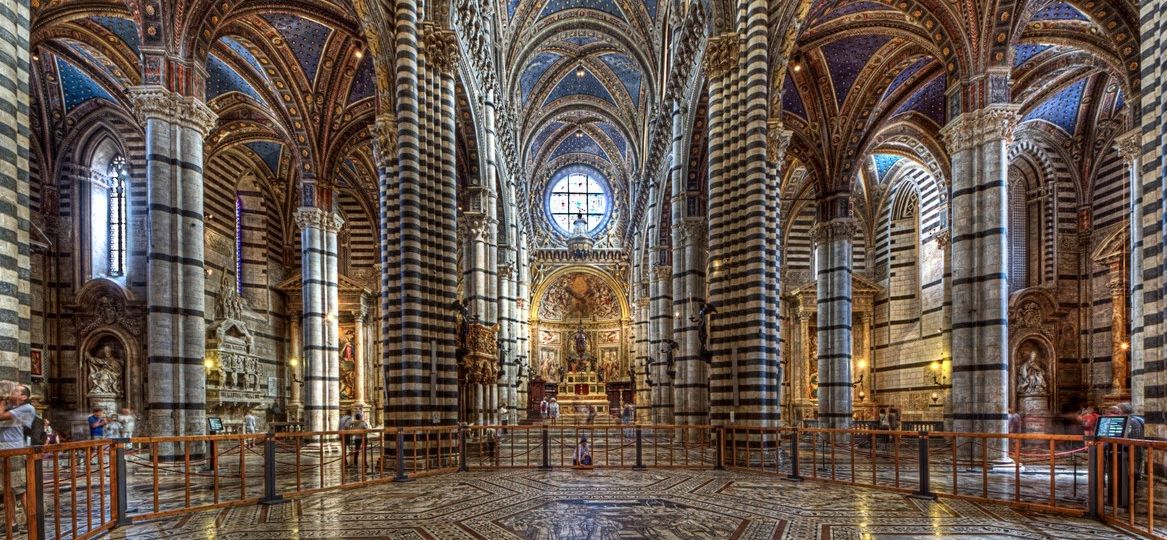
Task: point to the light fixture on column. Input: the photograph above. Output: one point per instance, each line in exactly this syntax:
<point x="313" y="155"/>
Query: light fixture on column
<point x="939" y="377"/>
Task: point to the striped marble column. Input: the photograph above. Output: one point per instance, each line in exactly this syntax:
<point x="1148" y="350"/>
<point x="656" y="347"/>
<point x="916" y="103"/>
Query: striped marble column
<point x="1130" y="147"/>
<point x="1151" y="382"/>
<point x="384" y="132"/>
<point x="660" y="342"/>
<point x="978" y="143"/>
<point x="15" y="289"/>
<point x="320" y="319"/>
<point x="522" y="319"/>
<point x="691" y="389"/>
<point x="175" y="127"/>
<point x="833" y="289"/>
<point x="253" y="255"/>
<point x="745" y="382"/>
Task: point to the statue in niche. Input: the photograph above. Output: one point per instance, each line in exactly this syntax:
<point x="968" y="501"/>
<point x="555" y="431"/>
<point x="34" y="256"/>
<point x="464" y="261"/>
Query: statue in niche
<point x="1031" y="375"/>
<point x="104" y="371"/>
<point x="348" y="367"/>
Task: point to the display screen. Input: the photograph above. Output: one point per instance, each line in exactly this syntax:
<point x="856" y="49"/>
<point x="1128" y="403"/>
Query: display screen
<point x="214" y="424"/>
<point x="1111" y="426"/>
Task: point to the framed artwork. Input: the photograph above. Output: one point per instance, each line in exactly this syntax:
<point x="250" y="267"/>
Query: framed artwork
<point x="36" y="363"/>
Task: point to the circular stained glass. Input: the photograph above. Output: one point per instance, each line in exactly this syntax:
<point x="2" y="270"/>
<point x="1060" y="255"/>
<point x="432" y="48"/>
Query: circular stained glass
<point x="578" y="191"/>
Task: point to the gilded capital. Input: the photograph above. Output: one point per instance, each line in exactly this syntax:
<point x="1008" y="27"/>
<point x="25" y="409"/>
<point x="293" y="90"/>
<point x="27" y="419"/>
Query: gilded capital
<point x="721" y="54"/>
<point x="441" y="48"/>
<point x="384" y="131"/>
<point x="663" y="272"/>
<point x="835" y="228"/>
<point x="1130" y="145"/>
<point x="973" y="128"/>
<point x="157" y="103"/>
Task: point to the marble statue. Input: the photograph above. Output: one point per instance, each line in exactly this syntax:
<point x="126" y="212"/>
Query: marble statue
<point x="1031" y="377"/>
<point x="104" y="371"/>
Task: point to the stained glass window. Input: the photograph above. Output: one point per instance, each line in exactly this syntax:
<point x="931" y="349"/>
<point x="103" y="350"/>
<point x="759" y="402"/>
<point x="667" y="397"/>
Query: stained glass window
<point x="118" y="173"/>
<point x="580" y="192"/>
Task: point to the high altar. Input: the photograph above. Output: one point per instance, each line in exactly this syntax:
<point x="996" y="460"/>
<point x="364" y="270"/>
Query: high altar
<point x="579" y="391"/>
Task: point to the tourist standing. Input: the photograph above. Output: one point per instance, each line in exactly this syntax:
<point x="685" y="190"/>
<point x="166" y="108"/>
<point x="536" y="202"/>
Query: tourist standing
<point x="14" y="421"/>
<point x="553" y="410"/>
<point x="129" y="423"/>
<point x="249" y="427"/>
<point x="544" y="407"/>
<point x="96" y="423"/>
<point x="591" y="414"/>
<point x="1089" y="419"/>
<point x="113" y="428"/>
<point x="357" y="441"/>
<point x="1014" y="422"/>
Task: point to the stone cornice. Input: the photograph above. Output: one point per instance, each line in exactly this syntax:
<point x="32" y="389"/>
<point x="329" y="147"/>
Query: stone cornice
<point x="158" y="103"/>
<point x="973" y="128"/>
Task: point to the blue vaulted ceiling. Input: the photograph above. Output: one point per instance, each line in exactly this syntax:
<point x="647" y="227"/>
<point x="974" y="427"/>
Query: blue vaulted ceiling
<point x="625" y="69"/>
<point x="245" y="54"/>
<point x="579" y="145"/>
<point x="906" y="74"/>
<point x="221" y="79"/>
<point x="884" y="163"/>
<point x="535" y="70"/>
<point x="616" y="136"/>
<point x="269" y="152"/>
<point x="125" y="29"/>
<point x="1059" y="11"/>
<point x="77" y="87"/>
<point x="606" y="6"/>
<point x="791" y="100"/>
<point x="587" y="85"/>
<point x="846" y="58"/>
<point x="541" y="139"/>
<point x="304" y="37"/>
<point x="1023" y="53"/>
<point x="928" y="101"/>
<point x="364" y="82"/>
<point x="1062" y="109"/>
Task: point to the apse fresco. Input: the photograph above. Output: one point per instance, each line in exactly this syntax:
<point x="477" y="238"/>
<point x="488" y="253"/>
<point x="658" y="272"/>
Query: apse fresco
<point x="579" y="296"/>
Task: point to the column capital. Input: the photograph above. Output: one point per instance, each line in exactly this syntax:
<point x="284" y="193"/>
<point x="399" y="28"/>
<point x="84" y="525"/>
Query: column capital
<point x="977" y="127"/>
<point x="777" y="140"/>
<point x="1130" y="145"/>
<point x="692" y="231"/>
<point x="307" y="216"/>
<point x="663" y="272"/>
<point x="835" y="228"/>
<point x="721" y="54"/>
<point x="384" y="131"/>
<point x="158" y="103"/>
<point x="478" y="226"/>
<point x="441" y="48"/>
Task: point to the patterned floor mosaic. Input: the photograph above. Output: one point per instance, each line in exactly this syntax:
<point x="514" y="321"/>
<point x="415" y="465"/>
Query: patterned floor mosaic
<point x="616" y="504"/>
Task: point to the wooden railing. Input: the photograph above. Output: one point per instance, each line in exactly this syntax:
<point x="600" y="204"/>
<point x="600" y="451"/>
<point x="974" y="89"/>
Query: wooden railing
<point x="80" y="490"/>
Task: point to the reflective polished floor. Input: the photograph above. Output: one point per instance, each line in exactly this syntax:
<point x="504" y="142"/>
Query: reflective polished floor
<point x="616" y="504"/>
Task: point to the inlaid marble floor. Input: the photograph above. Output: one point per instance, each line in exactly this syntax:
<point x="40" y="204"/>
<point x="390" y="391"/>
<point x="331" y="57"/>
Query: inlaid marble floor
<point x="616" y="504"/>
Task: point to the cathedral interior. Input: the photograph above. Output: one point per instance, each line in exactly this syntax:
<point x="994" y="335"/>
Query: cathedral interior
<point x="814" y="214"/>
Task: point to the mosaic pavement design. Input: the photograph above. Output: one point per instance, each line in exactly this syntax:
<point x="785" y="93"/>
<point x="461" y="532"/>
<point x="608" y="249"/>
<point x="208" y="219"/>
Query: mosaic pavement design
<point x="617" y="504"/>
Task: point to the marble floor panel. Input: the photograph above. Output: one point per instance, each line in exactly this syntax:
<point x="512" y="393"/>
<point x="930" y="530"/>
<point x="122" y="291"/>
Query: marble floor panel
<point x="616" y="504"/>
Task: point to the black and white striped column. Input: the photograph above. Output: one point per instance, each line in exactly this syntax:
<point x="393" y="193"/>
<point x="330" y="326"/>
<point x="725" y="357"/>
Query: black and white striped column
<point x="176" y="389"/>
<point x="660" y="343"/>
<point x="320" y="319"/>
<point x="15" y="289"/>
<point x="745" y="382"/>
<point x="978" y="143"/>
<point x="1130" y="147"/>
<point x="833" y="287"/>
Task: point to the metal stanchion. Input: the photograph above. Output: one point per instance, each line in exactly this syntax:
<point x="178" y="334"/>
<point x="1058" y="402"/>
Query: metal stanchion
<point x="546" y="466"/>
<point x="121" y="511"/>
<point x="269" y="471"/>
<point x="794" y="457"/>
<point x="401" y="477"/>
<point x="463" y="465"/>
<point x="639" y="450"/>
<point x="1093" y="481"/>
<point x="719" y="450"/>
<point x="925" y="489"/>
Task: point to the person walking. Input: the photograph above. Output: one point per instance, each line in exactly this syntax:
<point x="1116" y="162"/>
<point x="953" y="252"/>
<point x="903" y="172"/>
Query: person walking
<point x="249" y="428"/>
<point x="357" y="441"/>
<point x="544" y="408"/>
<point x="591" y="414"/>
<point x="16" y="419"/>
<point x="114" y="428"/>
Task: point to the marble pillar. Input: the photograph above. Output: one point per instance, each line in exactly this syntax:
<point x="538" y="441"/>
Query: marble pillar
<point x="978" y="143"/>
<point x="321" y="322"/>
<point x="833" y="247"/>
<point x="175" y="128"/>
<point x="15" y="295"/>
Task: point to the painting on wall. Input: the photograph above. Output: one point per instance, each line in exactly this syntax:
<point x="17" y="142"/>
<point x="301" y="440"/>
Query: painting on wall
<point x="348" y="374"/>
<point x="549" y="364"/>
<point x="577" y="296"/>
<point x="609" y="365"/>
<point x="36" y="364"/>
